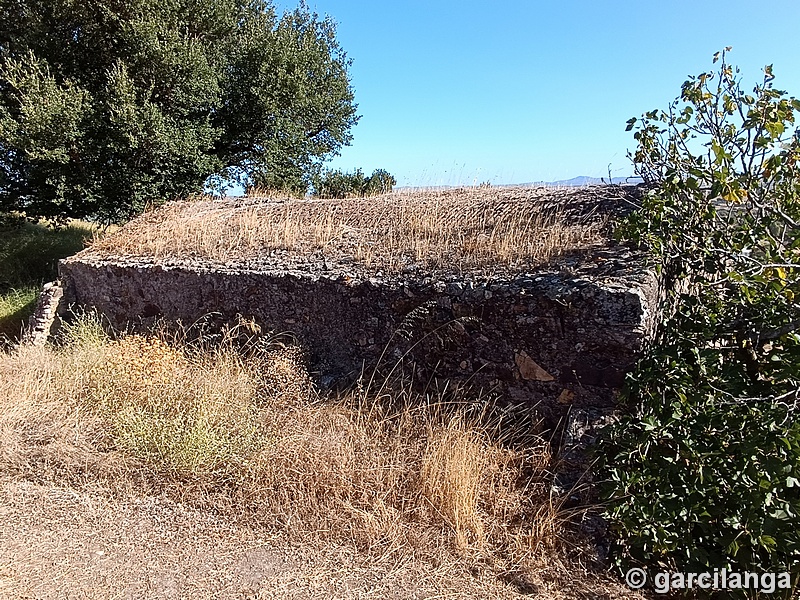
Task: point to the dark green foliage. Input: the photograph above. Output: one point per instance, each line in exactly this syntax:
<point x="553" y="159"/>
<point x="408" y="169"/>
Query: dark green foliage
<point x="106" y="106"/>
<point x="11" y="222"/>
<point x="380" y="182"/>
<point x="340" y="184"/>
<point x="704" y="471"/>
<point x="334" y="183"/>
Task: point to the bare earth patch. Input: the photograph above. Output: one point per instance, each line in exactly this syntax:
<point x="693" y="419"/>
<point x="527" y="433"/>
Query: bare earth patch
<point x="65" y="543"/>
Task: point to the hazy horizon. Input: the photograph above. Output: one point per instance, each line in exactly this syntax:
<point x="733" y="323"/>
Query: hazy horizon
<point x="460" y="93"/>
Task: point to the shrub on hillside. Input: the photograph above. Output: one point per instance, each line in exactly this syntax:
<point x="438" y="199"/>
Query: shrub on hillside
<point x="380" y="182"/>
<point x="704" y="472"/>
<point x="10" y="221"/>
<point x="341" y="184"/>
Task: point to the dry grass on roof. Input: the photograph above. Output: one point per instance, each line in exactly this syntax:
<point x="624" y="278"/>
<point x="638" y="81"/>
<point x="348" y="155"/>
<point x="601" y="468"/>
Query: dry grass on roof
<point x="462" y="228"/>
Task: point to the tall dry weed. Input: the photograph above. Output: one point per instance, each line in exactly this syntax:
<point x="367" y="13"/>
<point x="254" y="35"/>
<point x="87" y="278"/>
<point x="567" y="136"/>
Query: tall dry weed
<point x="453" y="469"/>
<point x="250" y="436"/>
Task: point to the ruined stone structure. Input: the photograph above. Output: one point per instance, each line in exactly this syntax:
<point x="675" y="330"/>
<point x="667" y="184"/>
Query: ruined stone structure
<point x="44" y="321"/>
<point x="557" y="338"/>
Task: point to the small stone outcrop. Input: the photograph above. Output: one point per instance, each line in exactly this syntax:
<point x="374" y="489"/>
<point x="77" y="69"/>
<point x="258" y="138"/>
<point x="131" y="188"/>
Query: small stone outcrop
<point x="45" y="320"/>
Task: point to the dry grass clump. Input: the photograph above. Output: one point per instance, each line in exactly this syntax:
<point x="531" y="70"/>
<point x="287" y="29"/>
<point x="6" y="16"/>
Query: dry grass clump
<point x="45" y="431"/>
<point x="453" y="229"/>
<point x="453" y="468"/>
<point x="248" y="436"/>
<point x="188" y="416"/>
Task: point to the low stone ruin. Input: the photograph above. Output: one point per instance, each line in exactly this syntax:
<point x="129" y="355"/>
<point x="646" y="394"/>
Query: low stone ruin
<point x="44" y="321"/>
<point x="558" y="336"/>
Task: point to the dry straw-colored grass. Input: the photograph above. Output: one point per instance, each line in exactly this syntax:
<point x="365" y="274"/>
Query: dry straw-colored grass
<point x="457" y="229"/>
<point x="249" y="437"/>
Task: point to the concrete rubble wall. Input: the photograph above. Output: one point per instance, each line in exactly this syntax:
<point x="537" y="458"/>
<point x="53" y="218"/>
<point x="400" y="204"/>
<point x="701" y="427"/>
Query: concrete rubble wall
<point x="551" y="339"/>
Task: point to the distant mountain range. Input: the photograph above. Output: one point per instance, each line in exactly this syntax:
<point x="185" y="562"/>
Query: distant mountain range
<point x="584" y="180"/>
<point x="579" y="181"/>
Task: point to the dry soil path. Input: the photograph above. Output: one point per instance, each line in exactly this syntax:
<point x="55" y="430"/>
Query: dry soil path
<point x="64" y="543"/>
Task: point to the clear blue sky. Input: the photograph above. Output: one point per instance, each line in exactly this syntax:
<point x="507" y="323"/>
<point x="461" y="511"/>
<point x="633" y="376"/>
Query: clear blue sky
<point x="461" y="92"/>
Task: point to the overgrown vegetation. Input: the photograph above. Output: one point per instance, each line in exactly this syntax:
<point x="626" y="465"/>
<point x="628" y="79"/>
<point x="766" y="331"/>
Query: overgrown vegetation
<point x="29" y="255"/>
<point x="704" y="472"/>
<point x="16" y="307"/>
<point x="453" y="229"/>
<point x="340" y="184"/>
<point x="106" y="106"/>
<point x="246" y="434"/>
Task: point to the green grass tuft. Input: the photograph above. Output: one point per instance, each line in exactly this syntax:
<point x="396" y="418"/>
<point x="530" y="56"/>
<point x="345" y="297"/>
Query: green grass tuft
<point x="16" y="306"/>
<point x="29" y="255"/>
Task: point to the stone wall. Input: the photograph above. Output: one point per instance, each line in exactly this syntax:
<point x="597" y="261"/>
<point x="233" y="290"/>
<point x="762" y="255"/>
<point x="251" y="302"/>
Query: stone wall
<point x="559" y="338"/>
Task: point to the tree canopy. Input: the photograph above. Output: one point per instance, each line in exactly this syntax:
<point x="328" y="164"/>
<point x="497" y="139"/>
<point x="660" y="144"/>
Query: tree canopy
<point x="107" y="105"/>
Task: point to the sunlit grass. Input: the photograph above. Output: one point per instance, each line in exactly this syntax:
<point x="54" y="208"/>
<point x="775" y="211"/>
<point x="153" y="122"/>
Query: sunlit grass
<point x="461" y="229"/>
<point x="16" y="305"/>
<point x="29" y="256"/>
<point x="251" y="434"/>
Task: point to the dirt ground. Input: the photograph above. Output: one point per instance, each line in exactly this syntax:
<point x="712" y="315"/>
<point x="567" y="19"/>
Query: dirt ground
<point x="58" y="542"/>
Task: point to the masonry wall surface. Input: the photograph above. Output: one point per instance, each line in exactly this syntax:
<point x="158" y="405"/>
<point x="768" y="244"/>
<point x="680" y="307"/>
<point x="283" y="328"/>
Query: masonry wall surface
<point x="551" y="339"/>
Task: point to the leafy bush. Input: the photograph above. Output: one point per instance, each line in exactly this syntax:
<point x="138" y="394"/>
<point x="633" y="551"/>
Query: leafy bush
<point x="11" y="221"/>
<point x="704" y="471"/>
<point x="380" y="182"/>
<point x="106" y="107"/>
<point x="340" y="184"/>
